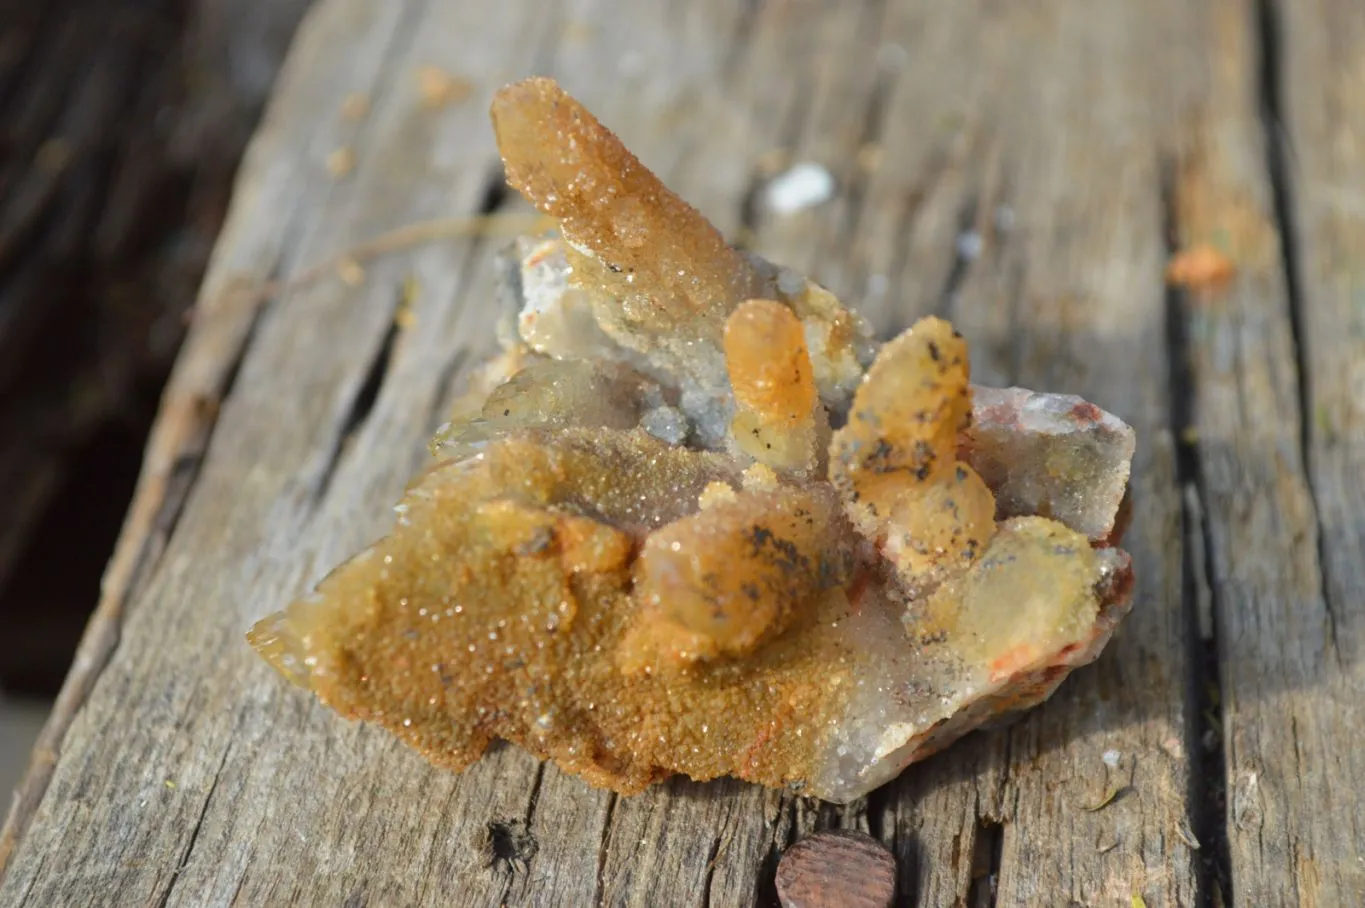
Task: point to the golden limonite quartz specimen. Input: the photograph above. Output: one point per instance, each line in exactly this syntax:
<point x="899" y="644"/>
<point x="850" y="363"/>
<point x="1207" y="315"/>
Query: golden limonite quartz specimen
<point x="694" y="519"/>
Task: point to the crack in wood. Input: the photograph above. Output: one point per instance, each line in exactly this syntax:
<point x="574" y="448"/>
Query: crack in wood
<point x="1206" y="722"/>
<point x="493" y="196"/>
<point x="184" y="861"/>
<point x="784" y="835"/>
<point x="880" y="817"/>
<point x="709" y="877"/>
<point x="603" y="847"/>
<point x="362" y="403"/>
<point x="534" y="800"/>
<point x="964" y="252"/>
<point x="33" y="881"/>
<point x="749" y="203"/>
<point x="1280" y="176"/>
<point x="881" y="809"/>
<point x="988" y="845"/>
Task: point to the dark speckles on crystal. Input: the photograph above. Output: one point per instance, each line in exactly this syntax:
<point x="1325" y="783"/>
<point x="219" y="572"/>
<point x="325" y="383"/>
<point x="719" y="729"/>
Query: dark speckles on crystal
<point x="693" y="519"/>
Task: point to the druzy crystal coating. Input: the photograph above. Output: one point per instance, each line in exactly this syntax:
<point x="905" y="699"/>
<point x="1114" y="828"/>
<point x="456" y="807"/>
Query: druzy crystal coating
<point x="694" y="519"/>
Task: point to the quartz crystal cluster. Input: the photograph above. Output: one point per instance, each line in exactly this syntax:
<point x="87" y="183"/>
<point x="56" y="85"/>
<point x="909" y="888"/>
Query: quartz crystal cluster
<point x="694" y="519"/>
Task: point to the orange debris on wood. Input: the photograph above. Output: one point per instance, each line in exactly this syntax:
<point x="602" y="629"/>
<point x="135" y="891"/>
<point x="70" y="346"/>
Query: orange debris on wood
<point x="1201" y="267"/>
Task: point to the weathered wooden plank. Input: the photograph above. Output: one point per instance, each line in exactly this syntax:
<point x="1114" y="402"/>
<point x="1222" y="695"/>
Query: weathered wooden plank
<point x="1293" y="615"/>
<point x="1039" y="130"/>
<point x="1287" y="728"/>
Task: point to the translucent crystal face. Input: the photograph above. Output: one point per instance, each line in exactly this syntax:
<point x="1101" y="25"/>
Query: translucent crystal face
<point x="644" y="550"/>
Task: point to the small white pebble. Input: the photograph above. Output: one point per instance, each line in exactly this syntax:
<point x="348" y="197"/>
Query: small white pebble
<point x="877" y="285"/>
<point x="1111" y="758"/>
<point x="801" y="186"/>
<point x="969" y="244"/>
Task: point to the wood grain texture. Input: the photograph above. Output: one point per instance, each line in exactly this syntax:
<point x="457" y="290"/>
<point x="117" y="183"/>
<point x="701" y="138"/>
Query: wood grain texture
<point x="1024" y="169"/>
<point x="1293" y="767"/>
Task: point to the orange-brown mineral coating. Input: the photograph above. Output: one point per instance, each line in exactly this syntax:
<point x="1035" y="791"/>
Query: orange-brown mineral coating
<point x="496" y="608"/>
<point x="669" y="269"/>
<point x="895" y="462"/>
<point x="629" y="479"/>
<point x="633" y="609"/>
<point x="1032" y="590"/>
<point x="738" y="573"/>
<point x="774" y="386"/>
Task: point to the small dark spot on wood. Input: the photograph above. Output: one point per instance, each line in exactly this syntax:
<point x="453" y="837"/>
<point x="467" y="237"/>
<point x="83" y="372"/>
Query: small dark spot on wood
<point x="987" y="855"/>
<point x="509" y="846"/>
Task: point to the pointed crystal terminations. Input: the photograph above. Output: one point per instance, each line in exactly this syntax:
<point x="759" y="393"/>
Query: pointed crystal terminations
<point x="693" y="519"/>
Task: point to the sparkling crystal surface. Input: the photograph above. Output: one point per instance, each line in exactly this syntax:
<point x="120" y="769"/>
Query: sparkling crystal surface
<point x="693" y="519"/>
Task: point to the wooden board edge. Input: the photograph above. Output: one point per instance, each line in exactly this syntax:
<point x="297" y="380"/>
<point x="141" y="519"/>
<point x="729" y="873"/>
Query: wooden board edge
<point x="175" y="449"/>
